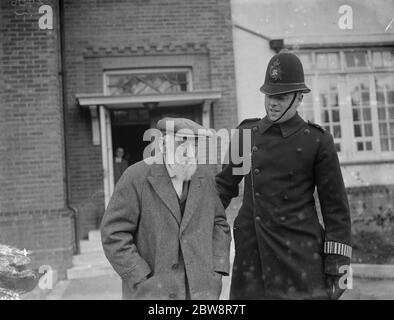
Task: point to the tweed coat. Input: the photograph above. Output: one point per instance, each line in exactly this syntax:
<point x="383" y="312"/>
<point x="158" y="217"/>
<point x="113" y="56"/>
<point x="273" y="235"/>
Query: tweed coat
<point x="281" y="249"/>
<point x="144" y="235"/>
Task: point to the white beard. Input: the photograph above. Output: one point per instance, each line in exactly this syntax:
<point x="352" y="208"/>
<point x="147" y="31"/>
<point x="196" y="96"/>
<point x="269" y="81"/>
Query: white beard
<point x="184" y="169"/>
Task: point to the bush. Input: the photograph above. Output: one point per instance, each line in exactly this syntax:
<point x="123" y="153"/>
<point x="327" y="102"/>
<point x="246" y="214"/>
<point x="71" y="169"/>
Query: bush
<point x="371" y="247"/>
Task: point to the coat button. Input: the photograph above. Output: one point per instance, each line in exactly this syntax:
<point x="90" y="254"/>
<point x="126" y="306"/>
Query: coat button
<point x="254" y="129"/>
<point x="307" y="131"/>
<point x="174" y="266"/>
<point x="258" y="218"/>
<point x="172" y="295"/>
<point x="254" y="149"/>
<point x="257" y="194"/>
<point x="256" y="171"/>
<point x="285" y="197"/>
<point x="299" y="150"/>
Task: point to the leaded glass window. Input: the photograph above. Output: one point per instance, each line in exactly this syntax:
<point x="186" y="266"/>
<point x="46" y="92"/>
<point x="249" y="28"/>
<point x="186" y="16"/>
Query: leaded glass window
<point x="135" y="83"/>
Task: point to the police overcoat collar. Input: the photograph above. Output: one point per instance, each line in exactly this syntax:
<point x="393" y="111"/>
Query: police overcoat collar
<point x="287" y="128"/>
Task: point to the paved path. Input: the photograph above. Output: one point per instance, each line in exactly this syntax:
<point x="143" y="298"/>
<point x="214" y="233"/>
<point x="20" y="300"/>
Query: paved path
<point x="109" y="288"/>
<point x="100" y="288"/>
<point x="369" y="289"/>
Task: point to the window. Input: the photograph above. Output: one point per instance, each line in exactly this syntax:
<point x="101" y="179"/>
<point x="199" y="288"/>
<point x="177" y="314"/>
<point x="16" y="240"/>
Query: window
<point x="385" y="104"/>
<point x="361" y="112"/>
<point x="329" y="107"/>
<point x="352" y="97"/>
<point x="356" y="59"/>
<point x="325" y="61"/>
<point x="382" y="59"/>
<point x="306" y="59"/>
<point x="137" y="82"/>
<point x="306" y="110"/>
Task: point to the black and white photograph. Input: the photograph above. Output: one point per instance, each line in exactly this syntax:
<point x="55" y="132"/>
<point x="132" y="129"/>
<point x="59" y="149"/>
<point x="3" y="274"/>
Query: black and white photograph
<point x="203" y="150"/>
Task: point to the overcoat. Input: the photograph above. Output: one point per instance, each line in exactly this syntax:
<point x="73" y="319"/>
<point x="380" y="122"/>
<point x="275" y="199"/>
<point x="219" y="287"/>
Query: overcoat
<point x="281" y="249"/>
<point x="144" y="235"/>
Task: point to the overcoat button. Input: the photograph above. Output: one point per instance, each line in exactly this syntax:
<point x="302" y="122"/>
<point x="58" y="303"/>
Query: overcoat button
<point x="256" y="171"/>
<point x="254" y="149"/>
<point x="254" y="129"/>
<point x="172" y="295"/>
<point x="307" y="131"/>
<point x="258" y="218"/>
<point x="174" y="266"/>
<point x="257" y="194"/>
<point x="285" y="197"/>
<point x="299" y="150"/>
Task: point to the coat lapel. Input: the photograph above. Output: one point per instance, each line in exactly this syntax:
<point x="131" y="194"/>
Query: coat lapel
<point x="194" y="198"/>
<point x="162" y="184"/>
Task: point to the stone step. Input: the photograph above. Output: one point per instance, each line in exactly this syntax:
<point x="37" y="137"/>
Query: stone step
<point x="86" y="246"/>
<point x="373" y="271"/>
<point x="81" y="272"/>
<point x="94" y="235"/>
<point x="90" y="258"/>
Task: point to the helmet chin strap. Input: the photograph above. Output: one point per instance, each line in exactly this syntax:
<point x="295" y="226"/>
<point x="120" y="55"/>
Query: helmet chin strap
<point x="290" y="105"/>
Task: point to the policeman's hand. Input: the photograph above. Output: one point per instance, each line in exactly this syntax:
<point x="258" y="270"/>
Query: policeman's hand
<point x="332" y="284"/>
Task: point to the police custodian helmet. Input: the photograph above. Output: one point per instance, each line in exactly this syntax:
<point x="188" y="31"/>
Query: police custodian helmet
<point x="284" y="74"/>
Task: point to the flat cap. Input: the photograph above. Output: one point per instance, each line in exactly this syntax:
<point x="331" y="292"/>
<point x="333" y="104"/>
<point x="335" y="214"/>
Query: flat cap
<point x="183" y="127"/>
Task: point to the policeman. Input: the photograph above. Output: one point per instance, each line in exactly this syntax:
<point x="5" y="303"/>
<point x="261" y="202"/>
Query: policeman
<point x="282" y="251"/>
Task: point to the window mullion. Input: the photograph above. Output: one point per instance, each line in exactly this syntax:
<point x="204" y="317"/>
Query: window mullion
<point x="346" y="119"/>
<point x="374" y="115"/>
<point x="316" y="105"/>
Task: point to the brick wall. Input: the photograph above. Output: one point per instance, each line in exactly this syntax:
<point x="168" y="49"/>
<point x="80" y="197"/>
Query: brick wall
<point x="46" y="233"/>
<point x="104" y="35"/>
<point x="32" y="190"/>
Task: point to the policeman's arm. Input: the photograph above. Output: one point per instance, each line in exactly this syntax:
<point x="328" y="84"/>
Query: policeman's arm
<point x="227" y="184"/>
<point x="334" y="206"/>
<point x="228" y="179"/>
<point x="118" y="228"/>
<point x="221" y="241"/>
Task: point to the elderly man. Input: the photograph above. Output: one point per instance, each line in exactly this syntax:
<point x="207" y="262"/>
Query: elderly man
<point x="165" y="230"/>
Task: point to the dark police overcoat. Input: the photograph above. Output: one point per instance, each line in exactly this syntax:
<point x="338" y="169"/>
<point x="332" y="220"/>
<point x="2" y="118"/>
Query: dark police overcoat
<point x="281" y="249"/>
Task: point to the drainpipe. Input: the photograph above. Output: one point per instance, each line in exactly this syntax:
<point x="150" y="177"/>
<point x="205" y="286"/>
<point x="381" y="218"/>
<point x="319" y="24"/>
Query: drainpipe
<point x="74" y="215"/>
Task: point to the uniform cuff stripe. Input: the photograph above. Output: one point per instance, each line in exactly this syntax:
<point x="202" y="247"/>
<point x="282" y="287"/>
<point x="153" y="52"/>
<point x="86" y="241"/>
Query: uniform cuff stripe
<point x="332" y="247"/>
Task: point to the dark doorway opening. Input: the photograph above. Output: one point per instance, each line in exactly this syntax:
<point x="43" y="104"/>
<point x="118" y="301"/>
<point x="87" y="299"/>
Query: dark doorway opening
<point x="130" y="138"/>
<point x="129" y="126"/>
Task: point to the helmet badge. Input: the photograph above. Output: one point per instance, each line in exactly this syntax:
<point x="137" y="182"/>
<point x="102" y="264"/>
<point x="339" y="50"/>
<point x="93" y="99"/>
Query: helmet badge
<point x="275" y="71"/>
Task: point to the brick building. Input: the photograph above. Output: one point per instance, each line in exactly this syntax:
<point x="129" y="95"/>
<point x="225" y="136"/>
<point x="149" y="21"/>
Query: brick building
<point x="33" y="210"/>
<point x="96" y="81"/>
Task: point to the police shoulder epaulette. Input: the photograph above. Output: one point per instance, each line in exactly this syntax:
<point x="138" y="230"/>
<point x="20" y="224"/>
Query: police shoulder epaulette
<point x="249" y="120"/>
<point x="316" y="126"/>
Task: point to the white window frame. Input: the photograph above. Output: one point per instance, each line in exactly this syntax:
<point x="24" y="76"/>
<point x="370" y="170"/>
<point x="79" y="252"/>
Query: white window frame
<point x="107" y="73"/>
<point x="348" y="153"/>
